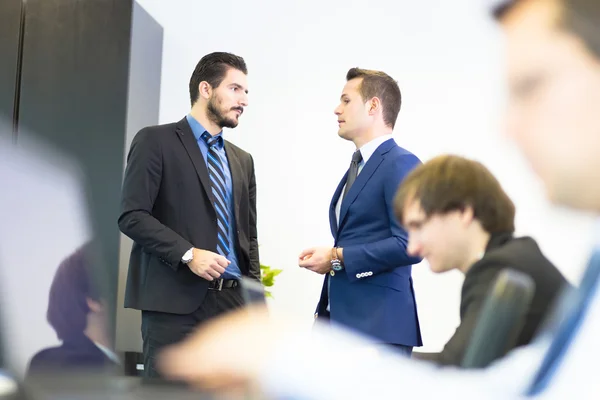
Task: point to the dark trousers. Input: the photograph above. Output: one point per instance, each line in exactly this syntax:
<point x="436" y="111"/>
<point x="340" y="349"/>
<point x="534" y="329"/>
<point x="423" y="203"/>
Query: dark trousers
<point x="162" y="329"/>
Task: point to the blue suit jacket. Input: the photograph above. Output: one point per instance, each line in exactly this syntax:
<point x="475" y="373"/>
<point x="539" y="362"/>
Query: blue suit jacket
<point x="374" y="294"/>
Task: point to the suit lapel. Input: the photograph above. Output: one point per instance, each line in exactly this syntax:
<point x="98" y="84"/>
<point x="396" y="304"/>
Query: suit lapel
<point x="363" y="177"/>
<point x="236" y="178"/>
<point x="360" y="182"/>
<point x="333" y="224"/>
<point x="191" y="146"/>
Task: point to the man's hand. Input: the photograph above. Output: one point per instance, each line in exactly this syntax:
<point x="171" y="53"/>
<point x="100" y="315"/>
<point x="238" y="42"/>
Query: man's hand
<point x="208" y="265"/>
<point x="316" y="259"/>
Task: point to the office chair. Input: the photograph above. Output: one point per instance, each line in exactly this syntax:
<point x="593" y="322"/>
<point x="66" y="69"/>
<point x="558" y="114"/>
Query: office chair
<point x="501" y="319"/>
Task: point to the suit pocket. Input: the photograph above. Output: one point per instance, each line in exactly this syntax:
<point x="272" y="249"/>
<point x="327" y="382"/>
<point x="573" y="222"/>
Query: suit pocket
<point x="389" y="280"/>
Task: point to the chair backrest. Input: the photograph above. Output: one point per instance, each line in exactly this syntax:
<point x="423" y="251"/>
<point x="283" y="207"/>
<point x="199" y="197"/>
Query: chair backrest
<point x="501" y="319"/>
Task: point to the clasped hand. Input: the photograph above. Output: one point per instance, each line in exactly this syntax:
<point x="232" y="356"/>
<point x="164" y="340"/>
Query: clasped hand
<point x="208" y="265"/>
<point x="316" y="259"/>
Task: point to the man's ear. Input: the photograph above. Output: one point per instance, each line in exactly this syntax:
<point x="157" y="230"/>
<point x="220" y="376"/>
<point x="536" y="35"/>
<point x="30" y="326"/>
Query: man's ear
<point x="94" y="306"/>
<point x="374" y="105"/>
<point x="205" y="90"/>
<point x="467" y="214"/>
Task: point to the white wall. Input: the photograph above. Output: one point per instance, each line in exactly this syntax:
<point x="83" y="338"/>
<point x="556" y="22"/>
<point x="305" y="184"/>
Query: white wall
<point x="446" y="57"/>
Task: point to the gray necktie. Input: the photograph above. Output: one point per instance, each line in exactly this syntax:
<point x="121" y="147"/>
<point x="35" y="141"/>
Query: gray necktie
<point x="353" y="171"/>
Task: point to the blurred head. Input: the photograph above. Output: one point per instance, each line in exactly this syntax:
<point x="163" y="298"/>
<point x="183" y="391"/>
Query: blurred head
<point x="219" y="88"/>
<point x="73" y="296"/>
<point x="450" y="206"/>
<point x="553" y="49"/>
<point x="370" y="99"/>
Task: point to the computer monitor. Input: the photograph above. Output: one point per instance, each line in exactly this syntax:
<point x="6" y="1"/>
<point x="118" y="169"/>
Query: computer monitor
<point x="253" y="291"/>
<point x="54" y="339"/>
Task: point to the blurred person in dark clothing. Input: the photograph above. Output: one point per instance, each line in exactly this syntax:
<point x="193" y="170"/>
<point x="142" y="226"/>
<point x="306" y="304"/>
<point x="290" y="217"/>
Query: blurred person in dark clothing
<point x="77" y="313"/>
<point x="458" y="217"/>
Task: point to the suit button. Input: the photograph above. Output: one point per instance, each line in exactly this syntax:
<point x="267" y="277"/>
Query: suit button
<point x="332" y="273"/>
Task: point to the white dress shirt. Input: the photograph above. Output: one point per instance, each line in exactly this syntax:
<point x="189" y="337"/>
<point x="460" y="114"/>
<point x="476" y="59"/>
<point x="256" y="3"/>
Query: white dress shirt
<point x="332" y="363"/>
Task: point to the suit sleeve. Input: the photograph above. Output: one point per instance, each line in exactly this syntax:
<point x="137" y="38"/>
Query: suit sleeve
<point x="471" y="303"/>
<point x="140" y="188"/>
<point x="253" y="236"/>
<point x="389" y="253"/>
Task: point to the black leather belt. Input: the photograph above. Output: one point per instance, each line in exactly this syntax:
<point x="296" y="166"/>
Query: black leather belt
<point x="220" y="284"/>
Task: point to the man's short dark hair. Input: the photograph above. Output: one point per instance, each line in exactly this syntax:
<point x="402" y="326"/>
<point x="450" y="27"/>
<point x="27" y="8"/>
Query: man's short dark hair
<point x="71" y="287"/>
<point x="212" y="68"/>
<point x="501" y="9"/>
<point x="449" y="183"/>
<point x="579" y="17"/>
<point x="381" y="85"/>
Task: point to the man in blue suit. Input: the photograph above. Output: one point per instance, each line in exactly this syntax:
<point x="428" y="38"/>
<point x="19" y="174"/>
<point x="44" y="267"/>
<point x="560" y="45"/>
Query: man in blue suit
<point x="368" y="285"/>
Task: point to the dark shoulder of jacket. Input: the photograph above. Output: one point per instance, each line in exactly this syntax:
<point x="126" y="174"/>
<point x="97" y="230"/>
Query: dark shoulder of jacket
<point x="508" y="254"/>
<point x="515" y="252"/>
<point x="239" y="152"/>
<point x="401" y="156"/>
<point x="522" y="254"/>
<point x="44" y="357"/>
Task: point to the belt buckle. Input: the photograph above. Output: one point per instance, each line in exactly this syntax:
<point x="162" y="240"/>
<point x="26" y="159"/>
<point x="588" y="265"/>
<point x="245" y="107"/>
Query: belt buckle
<point x="216" y="285"/>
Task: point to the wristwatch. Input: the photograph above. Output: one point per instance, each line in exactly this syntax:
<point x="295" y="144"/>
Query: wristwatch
<point x="188" y="256"/>
<point x="336" y="264"/>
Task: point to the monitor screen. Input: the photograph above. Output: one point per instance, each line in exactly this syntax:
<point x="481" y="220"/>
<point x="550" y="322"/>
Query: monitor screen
<point x="52" y="315"/>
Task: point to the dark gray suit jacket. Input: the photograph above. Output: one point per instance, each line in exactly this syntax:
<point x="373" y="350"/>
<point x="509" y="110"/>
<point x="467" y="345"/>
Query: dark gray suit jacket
<point x="167" y="208"/>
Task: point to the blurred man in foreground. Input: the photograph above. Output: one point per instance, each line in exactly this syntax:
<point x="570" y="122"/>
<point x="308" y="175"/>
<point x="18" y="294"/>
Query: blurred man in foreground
<point x="554" y="81"/>
<point x="458" y="217"/>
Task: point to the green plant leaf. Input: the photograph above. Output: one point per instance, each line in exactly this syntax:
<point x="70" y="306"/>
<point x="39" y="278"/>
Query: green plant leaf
<point x="267" y="277"/>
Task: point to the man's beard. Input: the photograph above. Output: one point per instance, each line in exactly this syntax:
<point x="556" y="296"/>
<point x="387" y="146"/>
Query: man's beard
<point x="216" y="114"/>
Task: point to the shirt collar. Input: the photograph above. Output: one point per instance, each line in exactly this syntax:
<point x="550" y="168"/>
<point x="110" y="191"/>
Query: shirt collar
<point x="198" y="130"/>
<point x="108" y="353"/>
<point x="367" y="150"/>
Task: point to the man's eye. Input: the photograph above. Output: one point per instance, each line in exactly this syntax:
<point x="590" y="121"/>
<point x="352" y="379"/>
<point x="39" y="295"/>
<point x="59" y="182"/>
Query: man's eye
<point x="527" y="86"/>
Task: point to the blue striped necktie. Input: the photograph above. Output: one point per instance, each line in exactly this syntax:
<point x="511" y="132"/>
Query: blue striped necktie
<point x="218" y="187"/>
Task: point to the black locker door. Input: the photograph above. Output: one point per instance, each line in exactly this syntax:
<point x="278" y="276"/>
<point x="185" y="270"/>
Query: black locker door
<point x="10" y="25"/>
<point x="74" y="86"/>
